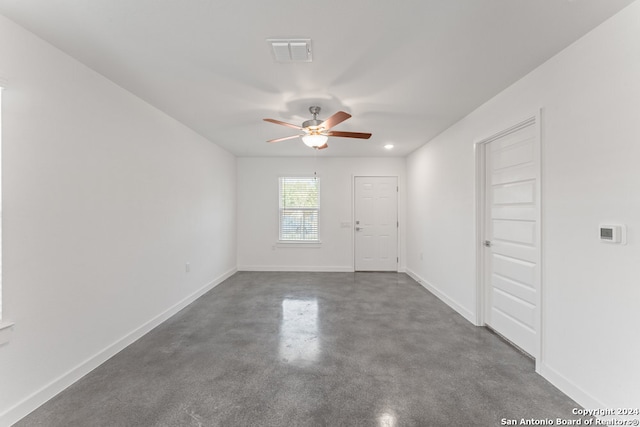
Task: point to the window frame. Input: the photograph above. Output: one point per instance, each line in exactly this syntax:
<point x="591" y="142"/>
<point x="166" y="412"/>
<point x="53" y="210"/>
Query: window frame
<point x="317" y="209"/>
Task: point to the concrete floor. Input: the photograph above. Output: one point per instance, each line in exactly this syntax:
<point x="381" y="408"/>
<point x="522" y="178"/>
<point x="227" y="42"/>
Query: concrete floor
<point x="311" y="349"/>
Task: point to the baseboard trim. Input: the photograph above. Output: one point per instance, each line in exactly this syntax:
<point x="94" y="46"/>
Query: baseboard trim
<point x="559" y="381"/>
<point x="302" y="268"/>
<point x="566" y="386"/>
<point x="471" y="317"/>
<point x="39" y="397"/>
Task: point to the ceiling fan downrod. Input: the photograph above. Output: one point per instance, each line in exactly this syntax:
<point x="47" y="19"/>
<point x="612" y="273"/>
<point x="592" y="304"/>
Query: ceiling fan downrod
<point x="314" y="110"/>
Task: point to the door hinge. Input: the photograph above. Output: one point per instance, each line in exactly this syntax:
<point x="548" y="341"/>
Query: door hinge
<point x="397" y="224"/>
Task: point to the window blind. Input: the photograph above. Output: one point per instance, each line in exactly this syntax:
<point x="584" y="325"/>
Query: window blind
<point x="299" y="209"/>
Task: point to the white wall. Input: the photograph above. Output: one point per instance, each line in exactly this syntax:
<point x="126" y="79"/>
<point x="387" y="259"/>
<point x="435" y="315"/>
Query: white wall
<point x="258" y="210"/>
<point x="590" y="100"/>
<point x="105" y="200"/>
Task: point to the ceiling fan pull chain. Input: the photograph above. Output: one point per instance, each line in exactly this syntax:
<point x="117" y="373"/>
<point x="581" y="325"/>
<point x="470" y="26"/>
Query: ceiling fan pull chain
<point x="315" y="164"/>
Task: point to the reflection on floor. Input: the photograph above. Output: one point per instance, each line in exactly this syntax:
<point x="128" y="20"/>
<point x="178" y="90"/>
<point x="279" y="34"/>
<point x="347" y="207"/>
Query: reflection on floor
<point x="299" y="343"/>
<point x="311" y="349"/>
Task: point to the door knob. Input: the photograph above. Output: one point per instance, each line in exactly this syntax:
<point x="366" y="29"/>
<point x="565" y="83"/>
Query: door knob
<point x="358" y="228"/>
<point x="487" y="243"/>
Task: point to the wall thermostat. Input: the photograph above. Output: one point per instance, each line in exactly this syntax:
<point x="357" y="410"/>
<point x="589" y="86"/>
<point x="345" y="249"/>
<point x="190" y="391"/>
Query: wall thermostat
<point x="613" y="233"/>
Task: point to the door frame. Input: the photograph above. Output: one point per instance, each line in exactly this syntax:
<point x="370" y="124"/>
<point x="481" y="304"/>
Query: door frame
<point x="353" y="216"/>
<point x="482" y="287"/>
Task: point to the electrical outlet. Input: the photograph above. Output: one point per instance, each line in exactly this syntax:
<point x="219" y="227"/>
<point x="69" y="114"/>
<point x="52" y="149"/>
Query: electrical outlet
<point x="187" y="267"/>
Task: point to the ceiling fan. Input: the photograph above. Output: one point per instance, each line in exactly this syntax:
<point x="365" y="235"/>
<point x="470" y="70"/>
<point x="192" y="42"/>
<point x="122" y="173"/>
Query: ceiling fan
<point x="317" y="132"/>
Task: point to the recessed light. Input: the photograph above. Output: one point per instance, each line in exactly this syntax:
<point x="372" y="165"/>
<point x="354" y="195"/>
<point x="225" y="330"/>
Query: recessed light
<point x="388" y="146"/>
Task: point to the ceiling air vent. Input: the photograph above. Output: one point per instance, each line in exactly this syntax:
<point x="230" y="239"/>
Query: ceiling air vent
<point x="291" y="50"/>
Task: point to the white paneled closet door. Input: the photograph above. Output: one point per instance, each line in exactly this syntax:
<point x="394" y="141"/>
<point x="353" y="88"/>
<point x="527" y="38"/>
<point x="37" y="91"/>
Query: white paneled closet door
<point x="512" y="235"/>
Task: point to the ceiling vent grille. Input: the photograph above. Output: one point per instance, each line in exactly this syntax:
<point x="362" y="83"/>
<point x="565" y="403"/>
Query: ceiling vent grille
<point x="291" y="50"/>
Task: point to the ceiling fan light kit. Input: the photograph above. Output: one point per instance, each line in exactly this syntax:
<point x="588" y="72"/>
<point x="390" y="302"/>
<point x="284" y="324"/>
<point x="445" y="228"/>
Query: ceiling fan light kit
<point x="317" y="132"/>
<point x="315" y="141"/>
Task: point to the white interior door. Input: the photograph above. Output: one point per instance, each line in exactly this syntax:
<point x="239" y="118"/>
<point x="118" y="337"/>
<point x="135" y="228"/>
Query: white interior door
<point x="376" y="223"/>
<point x="512" y="235"/>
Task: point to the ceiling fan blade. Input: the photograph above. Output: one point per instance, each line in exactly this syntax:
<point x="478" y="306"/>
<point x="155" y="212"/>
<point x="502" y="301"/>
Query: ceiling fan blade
<point x="278" y="122"/>
<point x="284" y="139"/>
<point x="360" y="135"/>
<point x="322" y="147"/>
<point x="337" y="118"/>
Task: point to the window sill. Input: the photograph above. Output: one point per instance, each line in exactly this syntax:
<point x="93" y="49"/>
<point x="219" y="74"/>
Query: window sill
<point x="295" y="244"/>
<point x="5" y="331"/>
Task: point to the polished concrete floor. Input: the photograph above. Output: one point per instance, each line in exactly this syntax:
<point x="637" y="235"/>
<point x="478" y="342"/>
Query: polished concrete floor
<point x="311" y="349"/>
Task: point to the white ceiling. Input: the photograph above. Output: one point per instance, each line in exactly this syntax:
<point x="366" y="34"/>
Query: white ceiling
<point x="405" y="70"/>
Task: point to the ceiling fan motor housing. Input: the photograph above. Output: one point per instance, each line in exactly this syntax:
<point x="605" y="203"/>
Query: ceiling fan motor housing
<point x="313" y="123"/>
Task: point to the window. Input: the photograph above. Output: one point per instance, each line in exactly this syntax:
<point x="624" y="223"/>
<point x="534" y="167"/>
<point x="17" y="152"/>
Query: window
<point x="299" y="209"/>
